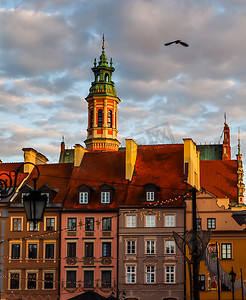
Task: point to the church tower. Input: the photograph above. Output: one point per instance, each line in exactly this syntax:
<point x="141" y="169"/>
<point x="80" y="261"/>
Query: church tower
<point x="102" y="108"/>
<point x="226" y="142"/>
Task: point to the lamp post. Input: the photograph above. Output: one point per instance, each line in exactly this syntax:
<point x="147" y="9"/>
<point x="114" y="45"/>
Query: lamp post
<point x="34" y="203"/>
<point x="232" y="278"/>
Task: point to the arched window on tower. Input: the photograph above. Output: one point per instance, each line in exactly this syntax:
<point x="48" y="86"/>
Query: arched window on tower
<point x="91" y="118"/>
<point x="110" y="118"/>
<point x="100" y="118"/>
<point x="106" y="77"/>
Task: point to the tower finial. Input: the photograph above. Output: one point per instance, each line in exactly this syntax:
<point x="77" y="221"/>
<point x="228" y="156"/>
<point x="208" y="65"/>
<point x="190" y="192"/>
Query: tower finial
<point x="225" y="117"/>
<point x="103" y="47"/>
<point x="239" y="145"/>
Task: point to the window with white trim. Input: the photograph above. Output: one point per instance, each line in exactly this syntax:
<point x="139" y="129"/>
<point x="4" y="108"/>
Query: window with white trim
<point x="83" y="197"/>
<point x="150" y="196"/>
<point x="131" y="273"/>
<point x="130" y="247"/>
<point x="150" y="247"/>
<point x="50" y="223"/>
<point x="211" y="223"/>
<point x="33" y="226"/>
<point x="150" y="220"/>
<point x="16" y="223"/>
<point x="131" y="221"/>
<point x="49" y="250"/>
<point x="169" y="247"/>
<point x="169" y="220"/>
<point x="105" y="197"/>
<point x="71" y="224"/>
<point x="150" y="273"/>
<point x="169" y="273"/>
<point x="15" y="250"/>
<point x="226" y="251"/>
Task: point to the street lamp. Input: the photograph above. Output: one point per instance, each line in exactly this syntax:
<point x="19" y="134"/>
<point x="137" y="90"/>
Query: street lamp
<point x="34" y="202"/>
<point x="232" y="278"/>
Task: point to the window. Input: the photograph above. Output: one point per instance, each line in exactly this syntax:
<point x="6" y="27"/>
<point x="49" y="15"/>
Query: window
<point x="150" y="247"/>
<point x="150" y="221"/>
<point x="48" y="281"/>
<point x="199" y="223"/>
<point x="71" y="249"/>
<point x="169" y="247"/>
<point x="71" y="279"/>
<point x="91" y="118"/>
<point x="83" y="197"/>
<point x="89" y="249"/>
<point x="105" y="197"/>
<point x="14" y="281"/>
<point x="15" y="251"/>
<point x="17" y="224"/>
<point x="110" y="118"/>
<point x="169" y="220"/>
<point x="48" y="196"/>
<point x="88" y="279"/>
<point x="106" y="224"/>
<point x="32" y="251"/>
<point x="201" y="282"/>
<point x="49" y="251"/>
<point x="100" y="118"/>
<point x="150" y="196"/>
<point x="50" y="224"/>
<point x="31" y="281"/>
<point x="131" y="221"/>
<point x="170" y="274"/>
<point x="226" y="251"/>
<point x="150" y="274"/>
<point x="211" y="222"/>
<point x="106" y="279"/>
<point x="131" y="247"/>
<point x="106" y="249"/>
<point x="89" y="224"/>
<point x="130" y="274"/>
<point x="71" y="224"/>
<point x="33" y="226"/>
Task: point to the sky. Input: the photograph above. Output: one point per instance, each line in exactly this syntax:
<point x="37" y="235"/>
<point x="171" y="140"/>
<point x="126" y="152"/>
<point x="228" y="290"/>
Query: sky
<point x="48" y="47"/>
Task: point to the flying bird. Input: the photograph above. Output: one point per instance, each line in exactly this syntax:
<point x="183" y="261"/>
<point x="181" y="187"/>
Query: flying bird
<point x="177" y="42"/>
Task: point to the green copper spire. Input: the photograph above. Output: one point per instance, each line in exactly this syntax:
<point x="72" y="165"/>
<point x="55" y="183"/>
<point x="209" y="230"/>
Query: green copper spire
<point x="103" y="83"/>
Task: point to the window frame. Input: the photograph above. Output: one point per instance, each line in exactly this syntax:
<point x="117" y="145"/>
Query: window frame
<point x="73" y="250"/>
<point x="71" y="227"/>
<point x="202" y="282"/>
<point x="129" y="221"/>
<point x="83" y="199"/>
<point x="11" y="243"/>
<point x="28" y="244"/>
<point x="51" y="242"/>
<point x="150" y="245"/>
<point x="12" y="225"/>
<point x="107" y="250"/>
<point x="36" y="279"/>
<point x="105" y="197"/>
<point x="172" y="252"/>
<point x="150" y="277"/>
<point x="86" y="284"/>
<point x="170" y="220"/>
<point x="150" y="221"/>
<point x="72" y="284"/>
<point x="89" y="224"/>
<point x="131" y="274"/>
<point x="170" y="273"/>
<point x="53" y="282"/>
<point x="106" y="284"/>
<point x="108" y="228"/>
<point x="150" y="196"/>
<point x="211" y="223"/>
<point x="130" y="247"/>
<point x="10" y="272"/>
<point x="88" y="252"/>
<point x="45" y="223"/>
<point x="225" y="257"/>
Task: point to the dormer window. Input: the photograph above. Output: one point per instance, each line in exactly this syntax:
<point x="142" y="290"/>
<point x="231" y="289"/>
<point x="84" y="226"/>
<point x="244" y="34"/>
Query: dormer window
<point x="84" y="194"/>
<point x="150" y="196"/>
<point x="151" y="192"/>
<point x="83" y="198"/>
<point x="105" y="197"/>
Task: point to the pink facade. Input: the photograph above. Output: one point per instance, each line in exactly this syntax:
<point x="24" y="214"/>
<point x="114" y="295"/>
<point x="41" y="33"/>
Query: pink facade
<point x="88" y="253"/>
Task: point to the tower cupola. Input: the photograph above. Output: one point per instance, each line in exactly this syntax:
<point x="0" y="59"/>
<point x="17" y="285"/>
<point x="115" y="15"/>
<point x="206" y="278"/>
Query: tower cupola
<point x="102" y="107"/>
<point x="226" y="142"/>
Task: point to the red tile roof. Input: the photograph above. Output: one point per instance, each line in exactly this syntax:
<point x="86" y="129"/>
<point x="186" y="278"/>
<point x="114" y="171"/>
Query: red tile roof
<point x="220" y="178"/>
<point x="8" y="167"/>
<point x="161" y="165"/>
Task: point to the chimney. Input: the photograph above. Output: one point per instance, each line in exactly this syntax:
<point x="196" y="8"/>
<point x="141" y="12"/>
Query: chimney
<point x="131" y="156"/>
<point x="191" y="164"/>
<point x="79" y="152"/>
<point x="32" y="156"/>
